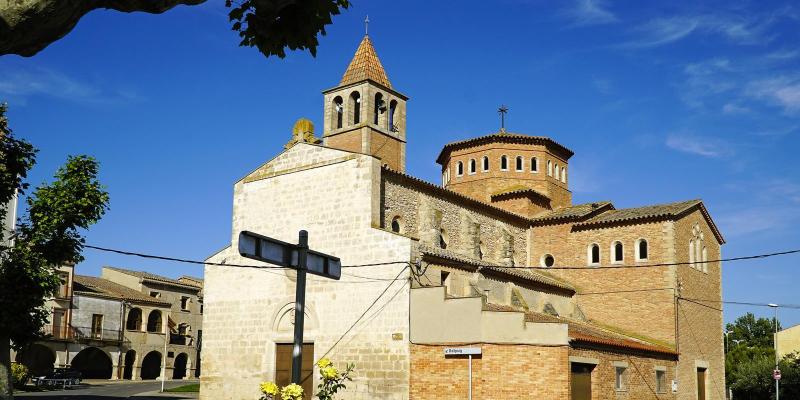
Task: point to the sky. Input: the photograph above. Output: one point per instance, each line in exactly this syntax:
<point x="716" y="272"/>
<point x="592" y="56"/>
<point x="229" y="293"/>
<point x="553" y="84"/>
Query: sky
<point x="660" y="101"/>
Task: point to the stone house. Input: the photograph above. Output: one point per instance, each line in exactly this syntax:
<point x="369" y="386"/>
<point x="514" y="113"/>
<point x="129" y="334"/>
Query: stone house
<point x="564" y="300"/>
<point x="115" y="327"/>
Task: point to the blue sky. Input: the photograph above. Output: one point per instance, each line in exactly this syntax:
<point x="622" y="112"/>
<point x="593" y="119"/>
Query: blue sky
<point x="661" y="101"/>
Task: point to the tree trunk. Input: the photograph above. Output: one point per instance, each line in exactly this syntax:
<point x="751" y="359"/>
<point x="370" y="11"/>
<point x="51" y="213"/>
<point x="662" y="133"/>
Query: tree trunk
<point x="6" y="388"/>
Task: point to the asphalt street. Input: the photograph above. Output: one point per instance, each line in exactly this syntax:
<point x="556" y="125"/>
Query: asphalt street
<point x="99" y="390"/>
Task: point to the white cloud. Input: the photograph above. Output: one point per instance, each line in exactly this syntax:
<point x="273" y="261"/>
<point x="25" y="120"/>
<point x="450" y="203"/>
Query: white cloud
<point x="699" y="145"/>
<point x="19" y="84"/>
<point x="733" y="109"/>
<point x="603" y="86"/>
<point x="748" y="221"/>
<point x="783" y="91"/>
<point x="661" y="31"/>
<point x="590" y="12"/>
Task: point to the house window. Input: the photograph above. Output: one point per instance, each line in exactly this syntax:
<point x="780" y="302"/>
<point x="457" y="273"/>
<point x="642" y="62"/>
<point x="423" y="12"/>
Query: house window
<point x="97" y="326"/>
<point x="154" y="322"/>
<point x="396" y="224"/>
<point x="548" y="260"/>
<point x="185" y="303"/>
<point x="619" y="381"/>
<point x="534" y="164"/>
<point x="556" y="171"/>
<point x="549" y="168"/>
<point x="485" y="163"/>
<point x="155" y="294"/>
<point x="63" y="289"/>
<point x="661" y="381"/>
<point x="641" y="250"/>
<point x="563" y="174"/>
<point x="134" y="322"/>
<point x="459" y="168"/>
<point x="594" y="254"/>
<point x="338" y="108"/>
<point x="472" y="166"/>
<point x="617" y="253"/>
<point x="504" y="163"/>
<point x="519" y="163"/>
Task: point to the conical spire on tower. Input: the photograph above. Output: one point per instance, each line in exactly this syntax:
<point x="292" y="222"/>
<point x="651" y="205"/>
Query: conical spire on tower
<point x="365" y="65"/>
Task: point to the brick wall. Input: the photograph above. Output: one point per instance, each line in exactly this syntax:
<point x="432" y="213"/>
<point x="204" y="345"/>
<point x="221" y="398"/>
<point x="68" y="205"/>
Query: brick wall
<point x="639" y="376"/>
<point x="501" y="372"/>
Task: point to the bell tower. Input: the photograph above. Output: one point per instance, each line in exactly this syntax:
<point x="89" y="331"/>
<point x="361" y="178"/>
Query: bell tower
<point x="364" y="113"/>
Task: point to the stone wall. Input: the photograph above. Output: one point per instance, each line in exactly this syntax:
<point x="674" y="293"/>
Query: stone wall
<point x="84" y="307"/>
<point x="334" y="195"/>
<point x="501" y="372"/>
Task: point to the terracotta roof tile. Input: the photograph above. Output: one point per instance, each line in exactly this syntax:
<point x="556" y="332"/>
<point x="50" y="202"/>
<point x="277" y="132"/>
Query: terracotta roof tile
<point x="365" y="65"/>
<point x="573" y="212"/>
<point x="653" y="211"/>
<point x="501" y="137"/>
<point x="157" y="278"/>
<point x="92" y="285"/>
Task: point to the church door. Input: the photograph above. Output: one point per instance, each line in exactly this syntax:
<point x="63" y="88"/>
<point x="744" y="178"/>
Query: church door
<point x="283" y="367"/>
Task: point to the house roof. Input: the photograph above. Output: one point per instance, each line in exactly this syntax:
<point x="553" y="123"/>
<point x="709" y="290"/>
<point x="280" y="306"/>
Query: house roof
<point x="586" y="332"/>
<point x="657" y="211"/>
<point x="517" y="192"/>
<point x="99" y="287"/>
<point x="365" y="65"/>
<point x="572" y="213"/>
<point x="521" y="273"/>
<point x="146" y="276"/>
<point x="502" y="137"/>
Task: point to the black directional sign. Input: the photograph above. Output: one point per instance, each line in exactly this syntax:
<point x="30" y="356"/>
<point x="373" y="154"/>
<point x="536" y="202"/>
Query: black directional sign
<point x="274" y="251"/>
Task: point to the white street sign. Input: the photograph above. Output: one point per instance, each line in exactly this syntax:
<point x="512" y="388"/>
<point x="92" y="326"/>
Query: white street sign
<point x="462" y="351"/>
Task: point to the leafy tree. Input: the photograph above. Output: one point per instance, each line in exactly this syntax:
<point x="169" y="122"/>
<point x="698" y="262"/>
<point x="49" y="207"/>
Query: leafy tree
<point x="749" y="331"/>
<point x="27" y="27"/>
<point x="48" y="236"/>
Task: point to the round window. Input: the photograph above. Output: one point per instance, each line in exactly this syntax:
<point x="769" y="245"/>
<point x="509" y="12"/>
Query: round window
<point x="548" y="260"/>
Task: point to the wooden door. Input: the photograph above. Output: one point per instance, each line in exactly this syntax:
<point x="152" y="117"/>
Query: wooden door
<point x="581" y="381"/>
<point x="701" y="384"/>
<point x="97" y="326"/>
<point x="59" y="324"/>
<point x="283" y="367"/>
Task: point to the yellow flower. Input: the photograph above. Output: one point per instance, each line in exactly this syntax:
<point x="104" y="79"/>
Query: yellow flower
<point x="269" y="388"/>
<point x="292" y="391"/>
<point x="323" y="362"/>
<point x="329" y="372"/>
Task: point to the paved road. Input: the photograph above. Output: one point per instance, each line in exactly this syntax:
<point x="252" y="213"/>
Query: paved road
<point x="112" y="391"/>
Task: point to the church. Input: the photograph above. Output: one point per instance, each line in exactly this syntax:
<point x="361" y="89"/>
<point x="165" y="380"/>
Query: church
<point x="558" y="300"/>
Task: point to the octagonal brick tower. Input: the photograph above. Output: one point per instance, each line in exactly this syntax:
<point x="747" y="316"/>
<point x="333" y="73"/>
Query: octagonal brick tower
<point x="527" y="175"/>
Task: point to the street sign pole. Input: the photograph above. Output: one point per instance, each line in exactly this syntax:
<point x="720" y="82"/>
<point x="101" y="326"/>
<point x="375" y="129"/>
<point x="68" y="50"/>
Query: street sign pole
<point x="299" y="307"/>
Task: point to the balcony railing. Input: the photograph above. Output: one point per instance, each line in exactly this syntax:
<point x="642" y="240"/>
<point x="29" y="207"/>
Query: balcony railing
<point x="64" y="292"/>
<point x="80" y="333"/>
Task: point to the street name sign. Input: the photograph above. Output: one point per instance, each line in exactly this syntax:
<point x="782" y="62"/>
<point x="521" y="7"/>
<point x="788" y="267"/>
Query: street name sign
<point x="274" y="251"/>
<point x="462" y="351"/>
<point x="776" y="374"/>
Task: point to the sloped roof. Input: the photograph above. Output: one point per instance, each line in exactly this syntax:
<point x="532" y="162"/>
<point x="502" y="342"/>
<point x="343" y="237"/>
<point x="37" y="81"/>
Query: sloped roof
<point x="657" y="211"/>
<point x="516" y="192"/>
<point x="586" y="332"/>
<point x="502" y="137"/>
<point x="365" y="65"/>
<point x="572" y="213"/>
<point x="155" y="278"/>
<point x="525" y="274"/>
<point x="94" y="286"/>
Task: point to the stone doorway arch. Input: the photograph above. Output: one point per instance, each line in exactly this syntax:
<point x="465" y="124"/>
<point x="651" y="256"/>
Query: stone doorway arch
<point x="151" y="365"/>
<point x="38" y="358"/>
<point x="179" y="368"/>
<point x="130" y="363"/>
<point x="93" y="363"/>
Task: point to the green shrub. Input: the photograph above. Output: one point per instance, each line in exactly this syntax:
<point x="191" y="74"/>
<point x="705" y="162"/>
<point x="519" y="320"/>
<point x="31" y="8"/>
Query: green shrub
<point x="19" y="375"/>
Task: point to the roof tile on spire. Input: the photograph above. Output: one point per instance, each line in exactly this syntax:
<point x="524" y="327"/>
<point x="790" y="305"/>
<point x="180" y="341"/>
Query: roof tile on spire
<point x="365" y="65"/>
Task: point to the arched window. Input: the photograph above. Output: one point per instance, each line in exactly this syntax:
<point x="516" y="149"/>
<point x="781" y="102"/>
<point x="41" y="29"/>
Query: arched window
<point x="705" y="259"/>
<point x="641" y="250"/>
<point x="396" y="226"/>
<point x="485" y="163"/>
<point x="442" y="239"/>
<point x="472" y="166"/>
<point x="593" y="254"/>
<point x="534" y="164"/>
<point x="549" y="168"/>
<point x="134" y="322"/>
<point x="563" y="174"/>
<point x="519" y="163"/>
<point x="459" y="168"/>
<point x="691" y="253"/>
<point x="556" y="171"/>
<point x="547" y="260"/>
<point x="380" y="108"/>
<point x="355" y="106"/>
<point x="338" y="112"/>
<point x="392" y="111"/>
<point x="617" y="253"/>
<point x="154" y="321"/>
<point x="504" y="163"/>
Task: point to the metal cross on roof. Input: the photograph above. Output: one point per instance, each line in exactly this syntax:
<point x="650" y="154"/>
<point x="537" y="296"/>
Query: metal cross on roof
<point x="502" y="111"/>
<point x="366" y="25"/>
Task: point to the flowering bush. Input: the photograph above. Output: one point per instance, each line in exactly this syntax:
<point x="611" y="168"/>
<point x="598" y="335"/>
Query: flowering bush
<point x="292" y="391"/>
<point x="331" y="379"/>
<point x="269" y="391"/>
<point x="19" y="375"/>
